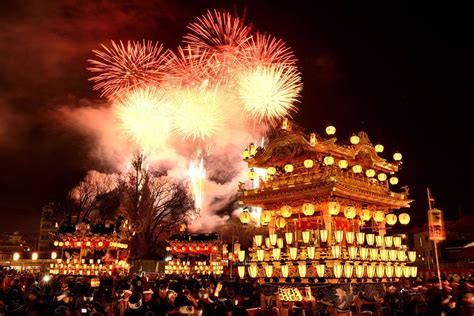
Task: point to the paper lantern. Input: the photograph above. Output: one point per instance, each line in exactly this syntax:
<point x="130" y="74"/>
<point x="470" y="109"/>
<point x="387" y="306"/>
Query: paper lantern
<point x="365" y="214"/>
<point x="286" y="211"/>
<point x="324" y="235"/>
<point x="354" y="139"/>
<point x="280" y="222"/>
<point x="245" y="217"/>
<point x="370" y="271"/>
<point x="265" y="218"/>
<point x="273" y="239"/>
<point x="16" y="256"/>
<point x="308" y="163"/>
<point x="328" y="160"/>
<point x="343" y="164"/>
<point x="320" y="270"/>
<point x="411" y="256"/>
<point x="393" y="180"/>
<point x="360" y="238"/>
<point x="370" y="239"/>
<point x="384" y="254"/>
<point x="336" y="252"/>
<point x="267" y="242"/>
<point x="389" y="271"/>
<point x="398" y="271"/>
<point x="330" y="130"/>
<point x="379" y="148"/>
<point x="401" y="255"/>
<point x="352" y="252"/>
<point x="397" y="156"/>
<point x="276" y="252"/>
<point x="357" y="168"/>
<point x="271" y="170"/>
<point x="350" y="237"/>
<point x="382" y="176"/>
<point x="253" y="271"/>
<point x="337" y="270"/>
<point x="350" y="212"/>
<point x="312" y="139"/>
<point x="379" y="241"/>
<point x="258" y="240"/>
<point x="246" y="154"/>
<point x="373" y="254"/>
<point x="388" y="241"/>
<point x="379" y="216"/>
<point x="252" y="175"/>
<point x="397" y="241"/>
<point x="333" y="208"/>
<point x="280" y="243"/>
<point x="404" y="218"/>
<point x="293" y="253"/>
<point x="34" y="256"/>
<point x="406" y="271"/>
<point x="413" y="271"/>
<point x="302" y="269"/>
<point x="364" y="253"/>
<point x="289" y="238"/>
<point x="348" y="270"/>
<point x="370" y="173"/>
<point x="269" y="271"/>
<point x="311" y="251"/>
<point x="380" y="271"/>
<point x="284" y="270"/>
<point x="338" y="235"/>
<point x="241" y="270"/>
<point x="288" y="168"/>
<point x="308" y="209"/>
<point x="359" y="271"/>
<point x="260" y="254"/>
<point x="391" y="219"/>
<point x="392" y="254"/>
<point x="306" y="236"/>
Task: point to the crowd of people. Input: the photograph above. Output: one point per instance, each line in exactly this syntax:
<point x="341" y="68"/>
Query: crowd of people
<point x="23" y="293"/>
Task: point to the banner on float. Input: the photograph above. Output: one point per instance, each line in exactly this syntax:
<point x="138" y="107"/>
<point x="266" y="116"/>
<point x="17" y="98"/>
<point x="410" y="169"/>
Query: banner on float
<point x="436" y="225"/>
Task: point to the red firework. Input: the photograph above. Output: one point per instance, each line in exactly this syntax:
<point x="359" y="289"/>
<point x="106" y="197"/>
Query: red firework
<point x="123" y="67"/>
<point x="217" y="30"/>
<point x="264" y="49"/>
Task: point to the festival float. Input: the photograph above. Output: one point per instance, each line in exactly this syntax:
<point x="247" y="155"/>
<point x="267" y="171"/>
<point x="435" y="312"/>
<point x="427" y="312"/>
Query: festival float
<point x="195" y="253"/>
<point x="328" y="207"/>
<point x="92" y="249"/>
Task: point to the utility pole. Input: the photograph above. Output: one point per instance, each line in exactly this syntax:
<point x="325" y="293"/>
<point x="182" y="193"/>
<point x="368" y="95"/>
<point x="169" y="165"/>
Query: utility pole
<point x="435" y="241"/>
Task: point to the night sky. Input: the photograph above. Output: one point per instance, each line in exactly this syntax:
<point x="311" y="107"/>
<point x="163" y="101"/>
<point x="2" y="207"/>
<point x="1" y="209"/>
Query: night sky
<point x="399" y="71"/>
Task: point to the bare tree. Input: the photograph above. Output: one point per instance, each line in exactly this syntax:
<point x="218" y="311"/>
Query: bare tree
<point x="154" y="203"/>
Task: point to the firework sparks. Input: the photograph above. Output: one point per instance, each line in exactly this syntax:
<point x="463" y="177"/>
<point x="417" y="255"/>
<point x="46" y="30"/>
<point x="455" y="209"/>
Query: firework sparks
<point x="197" y="113"/>
<point x="144" y="115"/>
<point x="264" y="49"/>
<point x="197" y="175"/>
<point x="121" y="67"/>
<point x="268" y="93"/>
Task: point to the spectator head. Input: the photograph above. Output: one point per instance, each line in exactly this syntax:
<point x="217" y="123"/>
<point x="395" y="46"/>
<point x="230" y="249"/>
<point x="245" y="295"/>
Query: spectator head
<point x="147" y="295"/>
<point x="468" y="298"/>
<point x="452" y="303"/>
<point x="203" y="294"/>
<point x="135" y="301"/>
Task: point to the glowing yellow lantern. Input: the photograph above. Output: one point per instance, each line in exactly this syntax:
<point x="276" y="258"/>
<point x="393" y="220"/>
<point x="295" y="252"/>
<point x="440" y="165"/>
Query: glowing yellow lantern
<point x="286" y="211"/>
<point x="253" y="271"/>
<point x="370" y="271"/>
<point x="359" y="271"/>
<point x="241" y="255"/>
<point x="336" y="251"/>
<point x="273" y="239"/>
<point x="252" y="174"/>
<point x="338" y="235"/>
<point x="397" y="241"/>
<point x="397" y="156"/>
<point x="284" y="124"/>
<point x="324" y="235"/>
<point x="412" y="256"/>
<point x="382" y="176"/>
<point x="253" y="149"/>
<point x="311" y="251"/>
<point x="350" y="237"/>
<point x="284" y="270"/>
<point x="288" y="168"/>
<point x="289" y="238"/>
<point x="258" y="240"/>
<point x="379" y="216"/>
<point x="343" y="164"/>
<point x="308" y="163"/>
<point x="350" y="212"/>
<point x="280" y="243"/>
<point x="388" y="241"/>
<point x="352" y="252"/>
<point x="391" y="219"/>
<point x="308" y="209"/>
<point x="56" y="243"/>
<point x="337" y="270"/>
<point x="392" y="254"/>
<point x="398" y="271"/>
<point x="354" y="139"/>
<point x="360" y="238"/>
<point x="374" y="254"/>
<point x="241" y="270"/>
<point x="333" y="208"/>
<point x="379" y="148"/>
<point x="293" y="253"/>
<point x="271" y="170"/>
<point x="393" y="180"/>
<point x="404" y="218"/>
<point x="306" y="236"/>
<point x="389" y="271"/>
<point x="370" y="173"/>
<point x="364" y="253"/>
<point x="302" y="269"/>
<point x="401" y="255"/>
<point x="328" y="160"/>
<point x="267" y="242"/>
<point x="357" y="168"/>
<point x="246" y="154"/>
<point x="265" y="218"/>
<point x="380" y="271"/>
<point x="370" y="239"/>
<point x="348" y="270"/>
<point x="16" y="256"/>
<point x="276" y="252"/>
<point x="244" y="217"/>
<point x="330" y="130"/>
<point x="34" y="256"/>
<point x="269" y="271"/>
<point x="312" y="139"/>
<point x="384" y="254"/>
<point x="365" y="214"/>
<point x="406" y="271"/>
<point x="260" y="254"/>
<point x="280" y="222"/>
<point x="379" y="241"/>
<point x="320" y="270"/>
<point x="54" y="255"/>
<point x="413" y="271"/>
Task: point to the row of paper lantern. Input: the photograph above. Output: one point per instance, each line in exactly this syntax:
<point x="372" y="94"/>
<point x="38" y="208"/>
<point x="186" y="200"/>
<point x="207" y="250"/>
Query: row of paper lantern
<point x="322" y="236"/>
<point x="89" y="244"/>
<point x="78" y="272"/>
<point x="339" y="271"/>
<point x="354" y="253"/>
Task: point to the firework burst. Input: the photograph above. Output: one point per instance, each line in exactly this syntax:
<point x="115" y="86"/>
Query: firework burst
<point x="144" y="115"/>
<point x="264" y="49"/>
<point x="268" y="93"/>
<point x="197" y="114"/>
<point x="197" y="175"/>
<point x="123" y="67"/>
